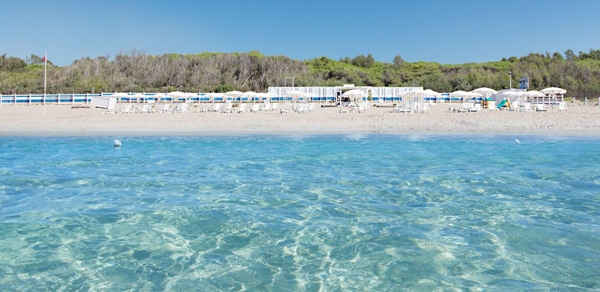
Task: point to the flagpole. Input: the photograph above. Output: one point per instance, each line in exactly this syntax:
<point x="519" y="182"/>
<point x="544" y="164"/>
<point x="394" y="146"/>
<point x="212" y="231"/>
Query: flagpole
<point x="45" y="62"/>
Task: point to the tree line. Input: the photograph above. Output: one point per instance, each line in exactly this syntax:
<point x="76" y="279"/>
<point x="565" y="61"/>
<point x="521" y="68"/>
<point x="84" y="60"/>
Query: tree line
<point x="137" y="71"/>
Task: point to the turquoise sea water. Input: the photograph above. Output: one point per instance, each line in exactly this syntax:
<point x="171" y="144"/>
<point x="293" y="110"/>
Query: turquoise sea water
<point x="308" y="213"/>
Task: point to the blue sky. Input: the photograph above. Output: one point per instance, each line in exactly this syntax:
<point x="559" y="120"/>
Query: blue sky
<point x="444" y="31"/>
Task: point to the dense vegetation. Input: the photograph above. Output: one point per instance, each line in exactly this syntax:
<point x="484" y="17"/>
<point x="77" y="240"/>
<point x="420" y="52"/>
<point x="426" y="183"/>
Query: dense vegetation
<point x="207" y="72"/>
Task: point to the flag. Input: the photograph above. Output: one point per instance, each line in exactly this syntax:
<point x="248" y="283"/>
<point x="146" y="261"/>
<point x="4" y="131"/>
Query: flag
<point x="44" y="59"/>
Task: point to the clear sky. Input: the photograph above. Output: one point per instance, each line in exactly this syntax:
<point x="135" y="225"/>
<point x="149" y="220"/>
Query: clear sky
<point x="444" y="31"/>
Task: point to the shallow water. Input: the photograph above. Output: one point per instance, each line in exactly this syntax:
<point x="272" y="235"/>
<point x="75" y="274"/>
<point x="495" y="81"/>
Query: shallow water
<point x="283" y="213"/>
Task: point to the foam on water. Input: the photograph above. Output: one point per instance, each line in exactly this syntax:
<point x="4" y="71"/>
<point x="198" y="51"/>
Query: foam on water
<point x="349" y="212"/>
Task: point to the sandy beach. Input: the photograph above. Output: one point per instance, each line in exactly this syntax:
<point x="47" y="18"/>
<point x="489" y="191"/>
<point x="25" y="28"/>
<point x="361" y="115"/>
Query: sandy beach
<point x="66" y="121"/>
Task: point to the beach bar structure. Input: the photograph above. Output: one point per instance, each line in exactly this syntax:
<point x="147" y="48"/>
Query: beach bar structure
<point x="330" y="94"/>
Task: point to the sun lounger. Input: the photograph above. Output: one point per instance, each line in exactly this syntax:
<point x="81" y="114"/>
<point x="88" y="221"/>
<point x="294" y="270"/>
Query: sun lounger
<point x="228" y="108"/>
<point x="127" y="109"/>
<point x="362" y="107"/>
<point x="216" y="107"/>
<point x="183" y="108"/>
<point x="562" y="106"/>
<point x="476" y="108"/>
<point x="165" y="108"/>
<point x="142" y="109"/>
<point x="540" y="107"/>
<point x="241" y="108"/>
<point x="255" y="108"/>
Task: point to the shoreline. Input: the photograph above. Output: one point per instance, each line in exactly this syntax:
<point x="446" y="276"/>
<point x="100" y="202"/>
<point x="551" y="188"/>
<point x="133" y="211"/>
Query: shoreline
<point x="582" y="134"/>
<point x="63" y="121"/>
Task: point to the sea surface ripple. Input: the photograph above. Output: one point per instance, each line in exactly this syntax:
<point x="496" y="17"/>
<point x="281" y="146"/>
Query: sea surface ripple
<point x="300" y="213"/>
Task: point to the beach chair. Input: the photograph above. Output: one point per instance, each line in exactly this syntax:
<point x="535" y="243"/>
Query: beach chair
<point x="228" y="108"/>
<point x="127" y="109"/>
<point x="527" y="107"/>
<point x="303" y="109"/>
<point x="476" y="107"/>
<point x="241" y="109"/>
<point x="312" y="106"/>
<point x="183" y="108"/>
<point x="515" y="107"/>
<point x="404" y="109"/>
<point x="274" y="107"/>
<point x="562" y="106"/>
<point x="216" y="107"/>
<point x="267" y="107"/>
<point x="255" y="108"/>
<point x="540" y="107"/>
<point x="362" y="107"/>
<point x="165" y="108"/>
<point x="143" y="109"/>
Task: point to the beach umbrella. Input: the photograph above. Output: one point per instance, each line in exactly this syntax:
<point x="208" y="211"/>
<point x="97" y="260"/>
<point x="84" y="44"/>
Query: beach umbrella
<point x="533" y="93"/>
<point x="475" y="94"/>
<point x="459" y="93"/>
<point x="485" y="90"/>
<point x="354" y="94"/>
<point x="553" y="90"/>
<point x="431" y="93"/>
